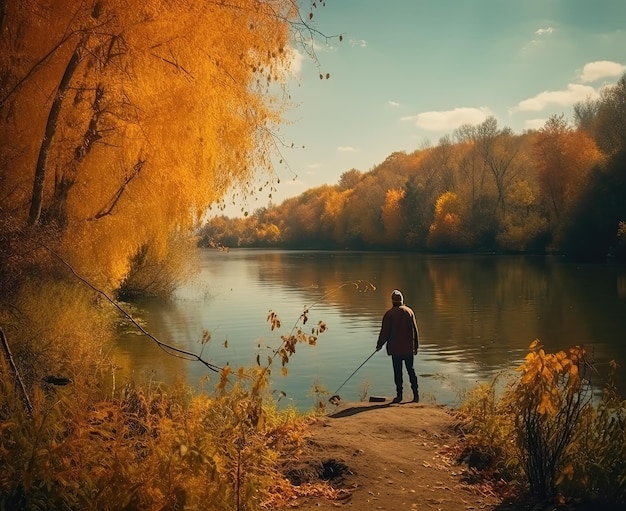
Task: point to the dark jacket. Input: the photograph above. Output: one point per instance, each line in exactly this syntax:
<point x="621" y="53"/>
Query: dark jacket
<point x="399" y="331"/>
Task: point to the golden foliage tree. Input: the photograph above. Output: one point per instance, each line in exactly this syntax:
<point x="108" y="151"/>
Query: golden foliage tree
<point x="445" y="231"/>
<point x="563" y="157"/>
<point x="122" y="122"/>
<point x="392" y="218"/>
<point x="332" y="216"/>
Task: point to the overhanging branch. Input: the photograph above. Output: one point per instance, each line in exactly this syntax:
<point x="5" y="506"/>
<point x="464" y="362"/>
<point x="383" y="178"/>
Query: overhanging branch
<point x="168" y="348"/>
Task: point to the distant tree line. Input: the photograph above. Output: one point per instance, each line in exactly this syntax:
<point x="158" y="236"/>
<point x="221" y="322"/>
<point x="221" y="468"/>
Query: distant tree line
<point x="559" y="189"/>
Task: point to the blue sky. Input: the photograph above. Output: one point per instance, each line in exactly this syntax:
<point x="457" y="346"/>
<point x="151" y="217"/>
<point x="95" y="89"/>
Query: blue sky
<point x="411" y="71"/>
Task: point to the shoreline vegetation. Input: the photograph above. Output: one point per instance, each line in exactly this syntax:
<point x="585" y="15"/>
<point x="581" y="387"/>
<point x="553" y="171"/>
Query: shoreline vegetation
<point x="539" y="440"/>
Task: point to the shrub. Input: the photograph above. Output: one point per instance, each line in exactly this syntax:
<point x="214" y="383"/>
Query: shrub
<point x="487" y="444"/>
<point x="599" y="468"/>
<point x="547" y="404"/>
<point x="145" y="449"/>
<point x="547" y="434"/>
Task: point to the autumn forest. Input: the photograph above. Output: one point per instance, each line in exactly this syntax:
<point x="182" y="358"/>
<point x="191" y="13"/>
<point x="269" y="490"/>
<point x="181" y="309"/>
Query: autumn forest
<point x="560" y="189"/>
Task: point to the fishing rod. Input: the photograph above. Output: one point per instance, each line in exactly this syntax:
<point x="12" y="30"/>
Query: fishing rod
<point x="335" y="398"/>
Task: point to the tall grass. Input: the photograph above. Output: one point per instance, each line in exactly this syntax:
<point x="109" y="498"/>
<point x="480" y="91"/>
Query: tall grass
<point x="145" y="449"/>
<point x="139" y="446"/>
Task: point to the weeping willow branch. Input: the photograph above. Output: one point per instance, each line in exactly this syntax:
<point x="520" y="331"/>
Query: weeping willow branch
<point x="297" y="334"/>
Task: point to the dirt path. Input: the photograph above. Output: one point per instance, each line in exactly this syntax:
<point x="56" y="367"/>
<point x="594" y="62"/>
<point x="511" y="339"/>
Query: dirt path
<point x="392" y="457"/>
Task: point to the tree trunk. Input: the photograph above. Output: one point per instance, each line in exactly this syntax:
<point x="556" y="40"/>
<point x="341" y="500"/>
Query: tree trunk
<point x="51" y="125"/>
<point x="3" y="13"/>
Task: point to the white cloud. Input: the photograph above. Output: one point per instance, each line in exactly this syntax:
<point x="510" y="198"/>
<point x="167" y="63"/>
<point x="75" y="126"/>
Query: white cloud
<point x="449" y="119"/>
<point x="394" y="103"/>
<point x="327" y="47"/>
<point x="543" y="31"/>
<point x="534" y="124"/>
<point x="361" y="43"/>
<point x="345" y="149"/>
<point x="295" y="62"/>
<point x="601" y="69"/>
<point x="288" y="185"/>
<point x="574" y="93"/>
<point x="314" y="165"/>
<point x="541" y="34"/>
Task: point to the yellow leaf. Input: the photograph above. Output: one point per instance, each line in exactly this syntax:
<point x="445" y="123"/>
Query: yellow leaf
<point x="567" y="472"/>
<point x="547" y="374"/>
<point x="226" y="371"/>
<point x="530" y="357"/>
<point x="546" y="406"/>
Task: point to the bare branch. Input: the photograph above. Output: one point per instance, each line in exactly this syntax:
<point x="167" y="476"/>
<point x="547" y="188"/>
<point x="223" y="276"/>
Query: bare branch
<point x="9" y="357"/>
<point x="116" y="197"/>
<point x="168" y="348"/>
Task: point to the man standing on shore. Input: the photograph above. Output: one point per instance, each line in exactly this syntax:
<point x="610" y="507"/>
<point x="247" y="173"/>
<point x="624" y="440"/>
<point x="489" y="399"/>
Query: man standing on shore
<point x="399" y="331"/>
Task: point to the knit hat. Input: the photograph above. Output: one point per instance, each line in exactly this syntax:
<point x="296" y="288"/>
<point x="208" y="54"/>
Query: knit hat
<point x="397" y="298"/>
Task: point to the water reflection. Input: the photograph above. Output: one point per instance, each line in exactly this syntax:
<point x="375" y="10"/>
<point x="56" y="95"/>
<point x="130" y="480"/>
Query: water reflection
<point x="477" y="315"/>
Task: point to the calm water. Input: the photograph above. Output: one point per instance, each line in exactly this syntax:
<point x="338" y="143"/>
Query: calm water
<point x="476" y="314"/>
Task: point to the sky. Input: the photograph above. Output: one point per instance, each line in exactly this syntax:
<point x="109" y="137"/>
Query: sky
<point x="408" y="72"/>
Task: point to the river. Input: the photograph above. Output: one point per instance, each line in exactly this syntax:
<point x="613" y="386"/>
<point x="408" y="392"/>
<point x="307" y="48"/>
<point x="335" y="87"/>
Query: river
<point x="477" y="316"/>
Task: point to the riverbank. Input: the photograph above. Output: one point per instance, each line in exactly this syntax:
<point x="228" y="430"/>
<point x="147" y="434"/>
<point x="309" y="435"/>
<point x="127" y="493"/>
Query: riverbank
<point x="391" y="457"/>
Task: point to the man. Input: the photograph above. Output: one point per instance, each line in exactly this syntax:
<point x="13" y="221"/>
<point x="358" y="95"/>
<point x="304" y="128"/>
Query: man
<point x="399" y="331"/>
